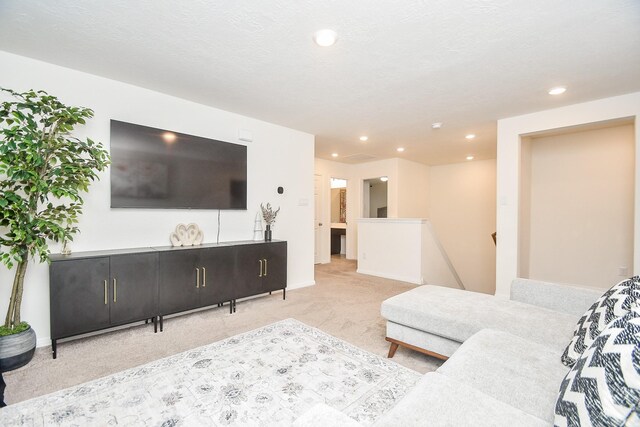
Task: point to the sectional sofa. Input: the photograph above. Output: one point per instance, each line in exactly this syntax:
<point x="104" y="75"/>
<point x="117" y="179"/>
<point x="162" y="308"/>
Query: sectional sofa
<point x="503" y="356"/>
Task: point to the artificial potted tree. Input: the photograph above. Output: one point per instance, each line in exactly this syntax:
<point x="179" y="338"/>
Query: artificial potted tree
<point x="43" y="171"/>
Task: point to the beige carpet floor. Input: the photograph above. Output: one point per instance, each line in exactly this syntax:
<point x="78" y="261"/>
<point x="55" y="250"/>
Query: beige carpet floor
<point x="343" y="303"/>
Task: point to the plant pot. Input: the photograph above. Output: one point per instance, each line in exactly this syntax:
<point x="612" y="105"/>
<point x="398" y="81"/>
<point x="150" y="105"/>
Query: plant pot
<point x="267" y="234"/>
<point x="17" y="350"/>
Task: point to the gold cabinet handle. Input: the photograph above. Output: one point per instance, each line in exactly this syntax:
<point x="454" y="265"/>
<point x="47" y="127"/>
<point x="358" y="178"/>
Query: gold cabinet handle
<point x="265" y="267"/>
<point x="204" y="277"/>
<point x="260" y="261"/>
<point x="115" y="290"/>
<point x="197" y="277"/>
<point x="106" y="292"/>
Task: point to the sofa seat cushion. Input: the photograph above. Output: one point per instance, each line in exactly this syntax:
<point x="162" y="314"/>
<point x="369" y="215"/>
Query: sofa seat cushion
<point x="437" y="400"/>
<point x="458" y="314"/>
<point x="524" y="374"/>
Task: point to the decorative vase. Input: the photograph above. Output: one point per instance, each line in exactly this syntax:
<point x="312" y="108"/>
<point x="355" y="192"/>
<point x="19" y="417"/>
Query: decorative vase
<point x="267" y="233"/>
<point x="17" y="350"/>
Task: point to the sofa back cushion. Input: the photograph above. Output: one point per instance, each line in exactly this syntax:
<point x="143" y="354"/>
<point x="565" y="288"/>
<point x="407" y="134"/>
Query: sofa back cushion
<point x="614" y="303"/>
<point x="560" y="297"/>
<point x="603" y="388"/>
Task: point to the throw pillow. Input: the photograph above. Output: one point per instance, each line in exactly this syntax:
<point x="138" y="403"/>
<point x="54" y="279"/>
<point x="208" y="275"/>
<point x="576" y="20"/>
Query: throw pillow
<point x="616" y="302"/>
<point x="603" y="388"/>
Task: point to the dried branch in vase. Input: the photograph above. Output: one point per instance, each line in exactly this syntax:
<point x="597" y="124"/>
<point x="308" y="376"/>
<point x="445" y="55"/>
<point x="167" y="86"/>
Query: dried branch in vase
<point x="268" y="214"/>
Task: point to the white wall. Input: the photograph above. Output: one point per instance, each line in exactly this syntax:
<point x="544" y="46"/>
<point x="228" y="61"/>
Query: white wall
<point x="415" y="256"/>
<point x="510" y="132"/>
<point x="355" y="175"/>
<point x="370" y="170"/>
<point x="413" y="189"/>
<point x="580" y="208"/>
<point x="277" y="157"/>
<point x="459" y="199"/>
<point x="462" y="201"/>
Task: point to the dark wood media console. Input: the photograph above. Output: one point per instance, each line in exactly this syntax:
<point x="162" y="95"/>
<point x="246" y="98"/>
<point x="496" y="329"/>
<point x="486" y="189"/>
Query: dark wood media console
<point x="92" y="291"/>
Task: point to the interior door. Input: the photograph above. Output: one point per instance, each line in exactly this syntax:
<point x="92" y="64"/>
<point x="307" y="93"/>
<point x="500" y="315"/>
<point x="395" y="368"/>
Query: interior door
<point x="134" y="287"/>
<point x="317" y="225"/>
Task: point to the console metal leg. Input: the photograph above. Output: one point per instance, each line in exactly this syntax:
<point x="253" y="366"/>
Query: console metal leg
<point x="269" y="292"/>
<point x="234" y="306"/>
<point x="161" y="325"/>
<point x="284" y="293"/>
<point x="155" y="324"/>
<point x="146" y="321"/>
<point x="54" y="348"/>
<point x="231" y="307"/>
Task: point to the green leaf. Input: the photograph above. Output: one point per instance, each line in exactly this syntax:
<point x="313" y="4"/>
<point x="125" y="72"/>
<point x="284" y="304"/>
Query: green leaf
<point x="44" y="169"/>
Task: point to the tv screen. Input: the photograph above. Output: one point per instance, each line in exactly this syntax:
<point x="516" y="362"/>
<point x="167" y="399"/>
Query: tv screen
<point x="160" y="169"/>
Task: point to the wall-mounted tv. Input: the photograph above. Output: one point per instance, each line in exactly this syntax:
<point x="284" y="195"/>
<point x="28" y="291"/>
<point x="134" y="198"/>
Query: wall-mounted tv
<point x="160" y="169"/>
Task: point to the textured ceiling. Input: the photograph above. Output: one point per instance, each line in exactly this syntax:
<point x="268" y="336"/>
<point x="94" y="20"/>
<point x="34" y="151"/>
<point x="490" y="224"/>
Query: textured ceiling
<point x="396" y="68"/>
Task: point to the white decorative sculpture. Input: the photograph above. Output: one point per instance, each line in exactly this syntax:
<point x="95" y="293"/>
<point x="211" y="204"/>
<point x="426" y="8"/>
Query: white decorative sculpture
<point x="186" y="235"/>
<point x="257" y="228"/>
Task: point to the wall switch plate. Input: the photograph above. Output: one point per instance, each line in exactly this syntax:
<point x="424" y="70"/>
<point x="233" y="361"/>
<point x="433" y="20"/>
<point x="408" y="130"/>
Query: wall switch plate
<point x="623" y="271"/>
<point x="303" y="202"/>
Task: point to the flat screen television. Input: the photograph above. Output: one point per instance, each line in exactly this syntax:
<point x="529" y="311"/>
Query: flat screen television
<point x="160" y="169"/>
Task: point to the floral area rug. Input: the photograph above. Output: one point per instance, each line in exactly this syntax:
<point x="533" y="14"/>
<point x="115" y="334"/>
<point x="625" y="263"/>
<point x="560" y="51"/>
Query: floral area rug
<point x="269" y="376"/>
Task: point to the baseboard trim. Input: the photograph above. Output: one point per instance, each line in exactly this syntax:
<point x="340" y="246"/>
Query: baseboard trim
<point x="408" y="279"/>
<point x="301" y="285"/>
<point x="43" y="341"/>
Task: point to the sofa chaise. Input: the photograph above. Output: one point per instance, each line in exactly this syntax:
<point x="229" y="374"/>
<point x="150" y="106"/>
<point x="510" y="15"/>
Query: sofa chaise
<point x="437" y="320"/>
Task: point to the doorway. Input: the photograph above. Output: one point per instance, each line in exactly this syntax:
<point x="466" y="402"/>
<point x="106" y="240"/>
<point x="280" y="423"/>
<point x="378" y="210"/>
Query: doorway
<point x="374" y="197"/>
<point x="338" y="218"/>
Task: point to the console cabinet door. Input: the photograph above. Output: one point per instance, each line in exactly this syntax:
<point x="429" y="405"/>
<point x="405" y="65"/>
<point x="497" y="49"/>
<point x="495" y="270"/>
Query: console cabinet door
<point x="178" y="290"/>
<point x="274" y="276"/>
<point x="217" y="271"/>
<point x="249" y="271"/>
<point x="133" y="287"/>
<point x="78" y="296"/>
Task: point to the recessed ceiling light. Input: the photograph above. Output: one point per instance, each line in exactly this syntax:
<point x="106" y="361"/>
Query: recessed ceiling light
<point x="334" y="154"/>
<point x="384" y="178"/>
<point x="469" y="157"/>
<point x="325" y="37"/>
<point x="400" y="149"/>
<point x="557" y="90"/>
<point x="470" y="136"/>
<point x="364" y="138"/>
<point x="436" y="125"/>
<point x="169" y="137"/>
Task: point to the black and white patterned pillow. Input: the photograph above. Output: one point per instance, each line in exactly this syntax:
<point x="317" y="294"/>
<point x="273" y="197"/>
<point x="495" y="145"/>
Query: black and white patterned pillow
<point x="603" y="388"/>
<point x="614" y="303"/>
